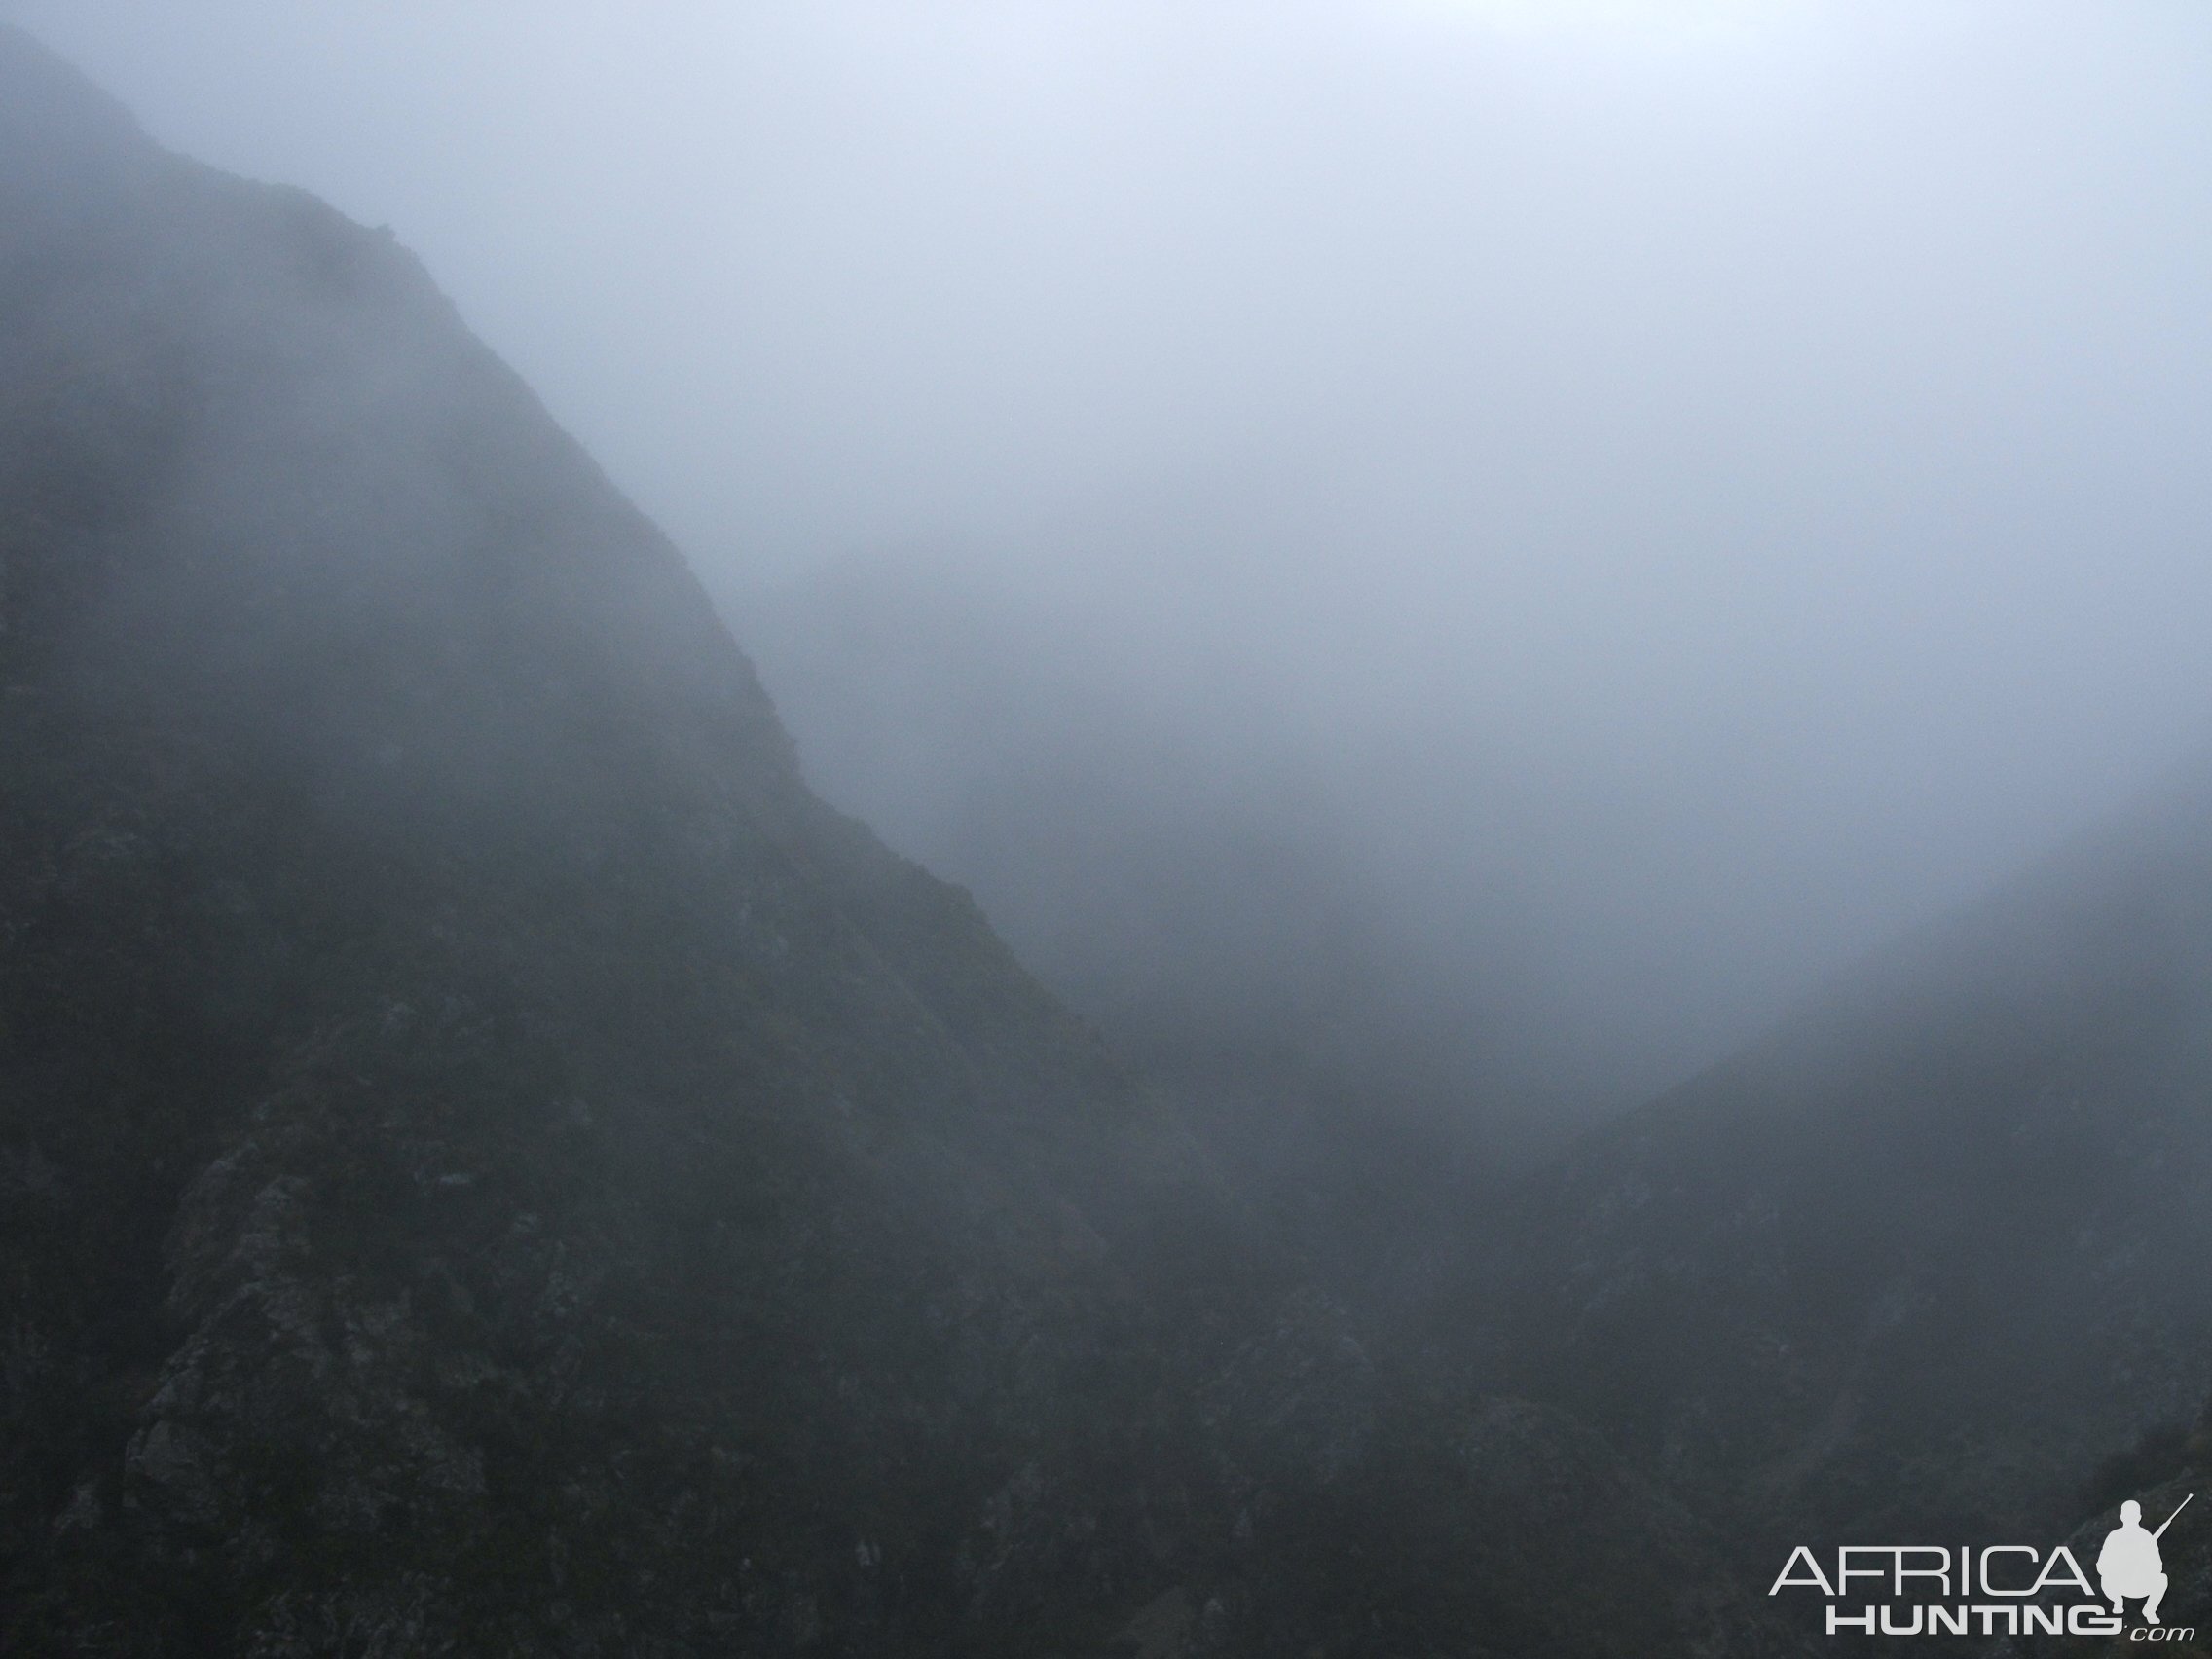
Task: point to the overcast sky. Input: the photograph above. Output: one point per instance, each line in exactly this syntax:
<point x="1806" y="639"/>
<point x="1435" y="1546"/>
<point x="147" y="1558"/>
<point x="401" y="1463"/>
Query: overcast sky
<point x="1794" y="416"/>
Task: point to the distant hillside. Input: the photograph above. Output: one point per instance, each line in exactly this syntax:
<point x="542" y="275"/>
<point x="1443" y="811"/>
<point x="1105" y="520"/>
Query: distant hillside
<point x="1921" y="1260"/>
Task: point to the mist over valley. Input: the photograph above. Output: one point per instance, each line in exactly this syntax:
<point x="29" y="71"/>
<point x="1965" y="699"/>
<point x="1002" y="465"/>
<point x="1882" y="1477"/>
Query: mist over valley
<point x="1350" y="829"/>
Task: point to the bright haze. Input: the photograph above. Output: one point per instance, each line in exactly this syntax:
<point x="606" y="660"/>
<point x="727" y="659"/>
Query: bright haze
<point x="1674" y="491"/>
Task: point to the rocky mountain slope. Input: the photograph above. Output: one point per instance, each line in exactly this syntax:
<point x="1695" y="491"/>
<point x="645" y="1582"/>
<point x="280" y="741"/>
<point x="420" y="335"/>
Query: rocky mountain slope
<point x="489" y="1164"/>
<point x="447" y="1054"/>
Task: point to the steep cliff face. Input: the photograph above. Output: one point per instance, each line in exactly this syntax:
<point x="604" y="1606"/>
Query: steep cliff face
<point x="1917" y="1263"/>
<point x="483" y="1148"/>
<point x="490" y="1163"/>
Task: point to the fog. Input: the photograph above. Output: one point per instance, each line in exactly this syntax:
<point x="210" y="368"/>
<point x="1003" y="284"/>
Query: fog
<point x="1629" y="504"/>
